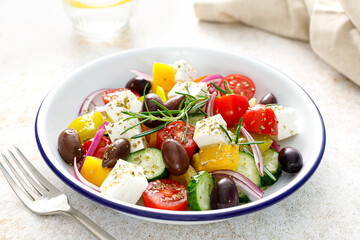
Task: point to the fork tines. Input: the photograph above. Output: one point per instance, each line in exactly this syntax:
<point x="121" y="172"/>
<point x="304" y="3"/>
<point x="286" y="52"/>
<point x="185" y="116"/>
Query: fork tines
<point x="30" y="184"/>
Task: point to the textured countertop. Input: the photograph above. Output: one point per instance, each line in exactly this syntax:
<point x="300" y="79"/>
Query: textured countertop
<point x="38" y="47"/>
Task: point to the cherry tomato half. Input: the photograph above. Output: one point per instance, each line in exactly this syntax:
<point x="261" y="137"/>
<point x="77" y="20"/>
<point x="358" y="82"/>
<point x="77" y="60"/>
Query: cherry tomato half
<point x="111" y="94"/>
<point x="165" y="194"/>
<point x="260" y="119"/>
<point x="240" y="84"/>
<point x="231" y="107"/>
<point x="175" y="130"/>
<point x="99" y="152"/>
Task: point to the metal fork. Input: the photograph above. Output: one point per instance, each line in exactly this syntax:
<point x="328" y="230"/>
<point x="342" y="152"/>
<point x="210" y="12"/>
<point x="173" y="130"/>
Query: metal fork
<point x="43" y="198"/>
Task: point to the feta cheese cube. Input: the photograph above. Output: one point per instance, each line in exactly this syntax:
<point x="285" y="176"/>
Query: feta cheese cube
<point x="184" y="72"/>
<point x="287" y="122"/>
<point x="125" y="101"/>
<point x="137" y="144"/>
<point x="194" y="89"/>
<point x="208" y="132"/>
<point x="115" y="129"/>
<point x="126" y="182"/>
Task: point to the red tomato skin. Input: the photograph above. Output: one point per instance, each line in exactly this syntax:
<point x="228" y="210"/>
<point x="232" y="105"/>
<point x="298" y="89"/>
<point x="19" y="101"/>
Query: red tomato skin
<point x="111" y="94"/>
<point x="240" y="84"/>
<point x="175" y="130"/>
<point x="165" y="194"/>
<point x="99" y="152"/>
<point x="231" y="107"/>
<point x="260" y="119"/>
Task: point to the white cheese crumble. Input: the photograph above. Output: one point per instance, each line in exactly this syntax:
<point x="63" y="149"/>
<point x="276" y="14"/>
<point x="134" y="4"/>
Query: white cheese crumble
<point x="287" y="122"/>
<point x="184" y="72"/>
<point x="208" y="132"/>
<point x="125" y="101"/>
<point x="126" y="182"/>
<point x="195" y="88"/>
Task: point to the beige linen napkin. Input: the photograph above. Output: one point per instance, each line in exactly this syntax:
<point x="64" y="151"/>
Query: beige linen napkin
<point x="331" y="26"/>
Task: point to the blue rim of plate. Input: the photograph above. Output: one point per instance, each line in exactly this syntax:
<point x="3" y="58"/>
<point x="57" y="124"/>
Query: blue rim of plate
<point x="199" y="217"/>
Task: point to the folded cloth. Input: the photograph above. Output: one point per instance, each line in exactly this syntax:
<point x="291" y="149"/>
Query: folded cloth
<point x="332" y="27"/>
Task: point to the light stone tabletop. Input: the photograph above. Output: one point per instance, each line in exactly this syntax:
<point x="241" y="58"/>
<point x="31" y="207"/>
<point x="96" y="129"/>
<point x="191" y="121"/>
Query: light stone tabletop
<point x="38" y="47"/>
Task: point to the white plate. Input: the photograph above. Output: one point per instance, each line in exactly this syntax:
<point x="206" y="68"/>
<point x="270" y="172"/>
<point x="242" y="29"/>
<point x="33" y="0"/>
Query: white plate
<point x="61" y="105"/>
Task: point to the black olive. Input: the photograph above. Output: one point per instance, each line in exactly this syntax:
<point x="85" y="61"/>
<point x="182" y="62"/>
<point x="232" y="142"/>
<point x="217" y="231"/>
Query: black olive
<point x="138" y="84"/>
<point x="224" y="194"/>
<point x="152" y="107"/>
<point x="268" y="98"/>
<point x="174" y="103"/>
<point x="119" y="149"/>
<point x="69" y="146"/>
<point x="175" y="157"/>
<point x="290" y="160"/>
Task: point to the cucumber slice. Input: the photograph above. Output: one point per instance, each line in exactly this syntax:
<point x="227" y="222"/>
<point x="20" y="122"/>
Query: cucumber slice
<point x="199" y="191"/>
<point x="247" y="167"/>
<point x="152" y="162"/>
<point x="271" y="162"/>
<point x="193" y="118"/>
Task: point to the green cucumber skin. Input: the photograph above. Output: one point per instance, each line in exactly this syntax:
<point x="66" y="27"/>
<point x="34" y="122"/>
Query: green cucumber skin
<point x="268" y="181"/>
<point x="195" y="118"/>
<point x="270" y="157"/>
<point x="247" y="167"/>
<point x="154" y="155"/>
<point x="194" y="194"/>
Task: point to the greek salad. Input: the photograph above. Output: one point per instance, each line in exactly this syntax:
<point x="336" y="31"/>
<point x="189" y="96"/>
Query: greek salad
<point x="177" y="141"/>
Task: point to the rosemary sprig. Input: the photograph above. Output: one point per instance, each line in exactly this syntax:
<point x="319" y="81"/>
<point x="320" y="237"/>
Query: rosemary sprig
<point x="239" y="144"/>
<point x="167" y="116"/>
<point x="249" y="143"/>
<point x="237" y="132"/>
<point x="227" y="87"/>
<point x="226" y="132"/>
<point x="186" y="127"/>
<point x="151" y="131"/>
<point x="218" y="88"/>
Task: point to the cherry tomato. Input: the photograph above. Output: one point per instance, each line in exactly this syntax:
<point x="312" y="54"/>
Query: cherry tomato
<point x="231" y="107"/>
<point x="111" y="94"/>
<point x="240" y="84"/>
<point x="165" y="194"/>
<point x="99" y="152"/>
<point x="260" y="119"/>
<point x="175" y="130"/>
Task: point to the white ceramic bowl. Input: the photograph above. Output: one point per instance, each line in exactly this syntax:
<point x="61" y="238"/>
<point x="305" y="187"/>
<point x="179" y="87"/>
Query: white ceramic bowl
<point x="61" y="105"/>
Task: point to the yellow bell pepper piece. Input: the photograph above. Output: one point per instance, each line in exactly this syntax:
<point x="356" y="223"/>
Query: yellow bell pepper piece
<point x="141" y="98"/>
<point x="263" y="138"/>
<point x="194" y="161"/>
<point x="161" y="93"/>
<point x="218" y="157"/>
<point x="185" y="178"/>
<point x="93" y="171"/>
<point x="87" y="125"/>
<point x="163" y="76"/>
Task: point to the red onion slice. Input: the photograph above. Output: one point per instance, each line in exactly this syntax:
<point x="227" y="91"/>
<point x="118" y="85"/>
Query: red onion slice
<point x="93" y="100"/>
<point x="216" y="79"/>
<point x="100" y="132"/>
<point x="79" y="177"/>
<point x="210" y="105"/>
<point x="276" y="146"/>
<point x="142" y="75"/>
<point x="243" y="183"/>
<point x="259" y="161"/>
<point x="212" y="77"/>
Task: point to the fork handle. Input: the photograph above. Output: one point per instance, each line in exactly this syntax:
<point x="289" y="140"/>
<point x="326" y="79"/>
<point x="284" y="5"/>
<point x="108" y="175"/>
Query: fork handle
<point x="92" y="227"/>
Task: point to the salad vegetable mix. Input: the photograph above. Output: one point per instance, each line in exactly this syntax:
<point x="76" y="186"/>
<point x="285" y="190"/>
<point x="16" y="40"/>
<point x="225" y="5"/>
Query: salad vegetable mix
<point x="181" y="142"/>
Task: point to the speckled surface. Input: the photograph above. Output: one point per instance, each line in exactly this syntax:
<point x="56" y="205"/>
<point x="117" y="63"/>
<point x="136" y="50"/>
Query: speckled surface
<point x="38" y="47"/>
